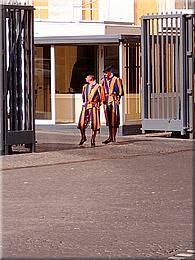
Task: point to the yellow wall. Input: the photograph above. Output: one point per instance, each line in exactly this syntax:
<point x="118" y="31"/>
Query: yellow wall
<point x="143" y="7"/>
<point x="65" y="108"/>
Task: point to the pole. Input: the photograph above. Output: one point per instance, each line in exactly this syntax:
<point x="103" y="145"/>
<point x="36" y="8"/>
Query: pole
<point x="1" y="82"/>
<point x="1" y="121"/>
<point x="122" y="102"/>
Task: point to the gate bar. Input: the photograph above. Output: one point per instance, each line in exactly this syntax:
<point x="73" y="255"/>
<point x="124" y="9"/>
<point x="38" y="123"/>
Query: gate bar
<point x="153" y="71"/>
<point x="144" y="71"/>
<point x="148" y="69"/>
<point x="183" y="75"/>
<point x="167" y="68"/>
<point x="1" y="82"/>
<point x="162" y="71"/>
<point x="158" y="69"/>
<point x="172" y="70"/>
<point x="176" y="69"/>
<point x="191" y="102"/>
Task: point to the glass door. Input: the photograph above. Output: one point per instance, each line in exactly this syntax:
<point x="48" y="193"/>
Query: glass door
<point x="43" y="97"/>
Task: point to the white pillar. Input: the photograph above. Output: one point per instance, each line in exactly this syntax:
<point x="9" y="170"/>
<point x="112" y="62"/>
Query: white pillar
<point x="121" y="74"/>
<point x="53" y="103"/>
<point x="100" y="61"/>
<point x="101" y="68"/>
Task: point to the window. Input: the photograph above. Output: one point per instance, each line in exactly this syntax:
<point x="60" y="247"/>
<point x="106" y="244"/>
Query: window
<point x="42" y="82"/>
<point x="133" y="67"/>
<point x="41" y="9"/>
<point x="90" y="10"/>
<point x="184" y="4"/>
<point x="72" y="62"/>
<point x="111" y="57"/>
<point x="191" y="4"/>
<point x="180" y="4"/>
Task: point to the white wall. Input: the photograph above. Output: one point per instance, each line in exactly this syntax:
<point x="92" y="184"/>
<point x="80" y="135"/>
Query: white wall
<point x="166" y="6"/>
<point x="54" y="28"/>
<point x="116" y="10"/>
<point x="66" y="10"/>
<point x="121" y="11"/>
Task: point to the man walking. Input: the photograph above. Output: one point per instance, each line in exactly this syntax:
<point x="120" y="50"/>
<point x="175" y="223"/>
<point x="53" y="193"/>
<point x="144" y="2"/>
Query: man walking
<point x="91" y="95"/>
<point x="113" y="89"/>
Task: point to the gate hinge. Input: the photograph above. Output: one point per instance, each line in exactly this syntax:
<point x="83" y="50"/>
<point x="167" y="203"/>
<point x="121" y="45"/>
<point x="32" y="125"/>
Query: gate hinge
<point x="189" y="91"/>
<point x="189" y="53"/>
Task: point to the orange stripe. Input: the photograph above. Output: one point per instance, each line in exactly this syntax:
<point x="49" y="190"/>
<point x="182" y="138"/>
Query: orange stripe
<point x="82" y="117"/>
<point x="112" y="84"/>
<point x="93" y="92"/>
<point x="94" y="118"/>
<point x="113" y="115"/>
<point x="98" y="119"/>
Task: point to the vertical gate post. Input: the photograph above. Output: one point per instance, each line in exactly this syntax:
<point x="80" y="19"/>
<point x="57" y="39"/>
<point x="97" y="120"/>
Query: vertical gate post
<point x="193" y="75"/>
<point x="17" y="90"/>
<point x="190" y="32"/>
<point x="144" y="93"/>
<point x="183" y="75"/>
<point x="1" y="83"/>
<point x="121" y="62"/>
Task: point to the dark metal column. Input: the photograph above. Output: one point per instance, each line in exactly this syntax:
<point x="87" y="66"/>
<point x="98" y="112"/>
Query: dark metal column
<point x="190" y="64"/>
<point x="144" y="70"/>
<point x="183" y="75"/>
<point x="18" y="77"/>
<point x="1" y="83"/>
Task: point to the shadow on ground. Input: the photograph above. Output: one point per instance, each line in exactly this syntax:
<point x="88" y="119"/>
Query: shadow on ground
<point x="51" y="147"/>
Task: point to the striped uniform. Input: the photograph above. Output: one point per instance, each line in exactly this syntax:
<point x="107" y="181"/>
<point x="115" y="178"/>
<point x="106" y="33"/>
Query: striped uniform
<point x="91" y="95"/>
<point x="113" y="90"/>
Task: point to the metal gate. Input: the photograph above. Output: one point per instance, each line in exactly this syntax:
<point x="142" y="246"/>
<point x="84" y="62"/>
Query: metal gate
<point x="18" y="71"/>
<point x="167" y="73"/>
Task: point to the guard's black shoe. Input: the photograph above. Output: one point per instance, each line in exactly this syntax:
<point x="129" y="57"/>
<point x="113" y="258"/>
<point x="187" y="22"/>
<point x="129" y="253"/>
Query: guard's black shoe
<point x="84" y="139"/>
<point x="107" y="141"/>
<point x="92" y="143"/>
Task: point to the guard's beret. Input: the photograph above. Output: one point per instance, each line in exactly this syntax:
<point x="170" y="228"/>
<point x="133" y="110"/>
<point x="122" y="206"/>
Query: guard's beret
<point x="89" y="73"/>
<point x="108" y="68"/>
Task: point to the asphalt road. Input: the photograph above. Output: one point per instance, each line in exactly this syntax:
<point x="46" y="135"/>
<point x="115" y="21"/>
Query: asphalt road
<point x="131" y="200"/>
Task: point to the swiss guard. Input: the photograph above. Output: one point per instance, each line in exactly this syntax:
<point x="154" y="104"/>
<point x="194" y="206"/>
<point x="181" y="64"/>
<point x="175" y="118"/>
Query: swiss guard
<point x="92" y="99"/>
<point x="113" y="90"/>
